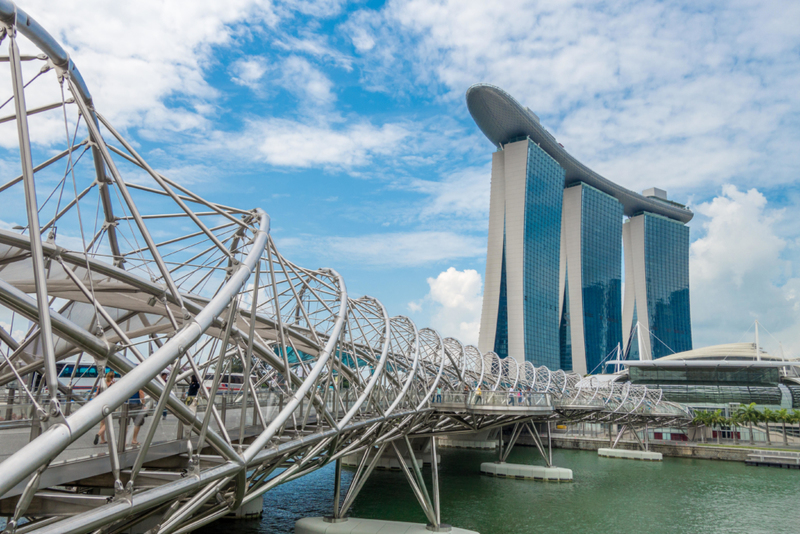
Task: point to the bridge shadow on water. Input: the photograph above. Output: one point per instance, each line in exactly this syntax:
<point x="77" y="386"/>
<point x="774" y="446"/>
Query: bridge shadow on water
<point x="608" y="495"/>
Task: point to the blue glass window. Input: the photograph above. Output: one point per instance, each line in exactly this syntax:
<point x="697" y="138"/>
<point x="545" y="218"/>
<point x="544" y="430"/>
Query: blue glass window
<point x="501" y="335"/>
<point x="667" y="276"/>
<point x="601" y="275"/>
<point x="544" y="191"/>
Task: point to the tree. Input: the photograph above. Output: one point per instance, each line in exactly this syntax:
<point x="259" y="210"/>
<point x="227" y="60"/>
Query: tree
<point x="701" y="418"/>
<point x="748" y="413"/>
<point x="783" y="416"/>
<point x="734" y="421"/>
<point x="768" y="416"/>
<point x="717" y="419"/>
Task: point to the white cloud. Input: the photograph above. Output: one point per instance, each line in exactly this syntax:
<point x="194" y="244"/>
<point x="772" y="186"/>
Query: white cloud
<point x="456" y="299"/>
<point x="306" y="81"/>
<point x="316" y="8"/>
<point x="462" y="194"/>
<point x="135" y="56"/>
<point x="646" y="93"/>
<point x="248" y="71"/>
<point x="740" y="236"/>
<point x="315" y="46"/>
<point x="291" y="143"/>
<point x="391" y="249"/>
<point x="739" y="273"/>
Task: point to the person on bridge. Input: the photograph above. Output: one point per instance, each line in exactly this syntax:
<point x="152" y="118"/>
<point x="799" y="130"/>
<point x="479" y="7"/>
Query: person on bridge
<point x="164" y="378"/>
<point x="191" y="395"/>
<point x="138" y="415"/>
<point x="511" y="396"/>
<point x="439" y="394"/>
<point x="101" y="434"/>
<point x="478" y="394"/>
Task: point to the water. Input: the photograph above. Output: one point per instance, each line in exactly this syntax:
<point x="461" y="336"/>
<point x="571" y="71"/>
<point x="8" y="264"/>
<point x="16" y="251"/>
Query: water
<point x="608" y="495"/>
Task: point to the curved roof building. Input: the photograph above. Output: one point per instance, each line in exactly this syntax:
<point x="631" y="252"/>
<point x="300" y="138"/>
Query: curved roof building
<point x="502" y="119"/>
<point x="557" y="231"/>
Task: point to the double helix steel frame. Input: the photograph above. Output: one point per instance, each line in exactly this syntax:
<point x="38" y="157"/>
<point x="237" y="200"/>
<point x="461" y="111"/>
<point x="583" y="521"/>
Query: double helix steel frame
<point x="125" y="268"/>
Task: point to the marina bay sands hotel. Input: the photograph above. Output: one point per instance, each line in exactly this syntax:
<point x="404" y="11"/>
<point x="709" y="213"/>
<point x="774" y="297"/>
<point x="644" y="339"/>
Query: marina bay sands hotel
<point x="553" y="286"/>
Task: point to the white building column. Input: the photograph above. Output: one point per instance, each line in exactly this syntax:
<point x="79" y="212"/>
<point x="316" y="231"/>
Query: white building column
<point x="494" y="254"/>
<point x="571" y="241"/>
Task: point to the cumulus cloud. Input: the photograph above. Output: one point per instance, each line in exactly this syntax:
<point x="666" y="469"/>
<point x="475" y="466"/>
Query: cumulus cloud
<point x="740" y="272"/>
<point x="135" y="56"/>
<point x="306" y="81"/>
<point x="294" y="143"/>
<point x="646" y="93"/>
<point x="455" y="301"/>
<point x="248" y="71"/>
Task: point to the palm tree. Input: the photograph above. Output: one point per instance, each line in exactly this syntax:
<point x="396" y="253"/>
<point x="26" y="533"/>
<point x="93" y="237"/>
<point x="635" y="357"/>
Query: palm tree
<point x="717" y="419"/>
<point x="734" y="421"/>
<point x="701" y="418"/>
<point x="783" y="416"/>
<point x="697" y="420"/>
<point x="768" y="416"/>
<point x="748" y="413"/>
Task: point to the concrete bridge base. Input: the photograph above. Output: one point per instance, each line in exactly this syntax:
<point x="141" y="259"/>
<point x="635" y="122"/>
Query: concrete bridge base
<point x="252" y="510"/>
<point x="630" y="455"/>
<point x="529" y="472"/>
<point x="477" y="440"/>
<point x="352" y="525"/>
<point x="456" y="443"/>
<point x="390" y="462"/>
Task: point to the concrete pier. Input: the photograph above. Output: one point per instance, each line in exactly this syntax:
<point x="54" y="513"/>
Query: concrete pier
<point x="529" y="472"/>
<point x="486" y="440"/>
<point x="388" y="461"/>
<point x="457" y="443"/>
<point x="352" y="525"/>
<point x="252" y="510"/>
<point x="630" y="454"/>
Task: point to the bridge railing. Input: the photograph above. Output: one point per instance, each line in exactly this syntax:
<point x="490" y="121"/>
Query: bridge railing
<point x="493" y="398"/>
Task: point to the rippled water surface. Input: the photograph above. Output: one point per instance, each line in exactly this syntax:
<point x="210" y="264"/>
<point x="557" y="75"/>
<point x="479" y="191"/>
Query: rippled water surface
<point x="608" y="495"/>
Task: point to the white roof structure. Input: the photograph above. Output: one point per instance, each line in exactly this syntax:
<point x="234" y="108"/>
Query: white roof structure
<point x="502" y="119"/>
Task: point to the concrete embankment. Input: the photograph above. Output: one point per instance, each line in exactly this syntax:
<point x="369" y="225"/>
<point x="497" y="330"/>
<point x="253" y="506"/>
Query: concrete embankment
<point x="677" y="450"/>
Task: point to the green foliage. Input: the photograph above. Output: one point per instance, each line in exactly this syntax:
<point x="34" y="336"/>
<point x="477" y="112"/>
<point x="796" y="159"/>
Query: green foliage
<point x="768" y="416"/>
<point x="783" y="416"/>
<point x="747" y="413"/>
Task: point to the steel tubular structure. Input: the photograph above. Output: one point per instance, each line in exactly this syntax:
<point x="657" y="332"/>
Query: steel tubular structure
<point x="123" y="269"/>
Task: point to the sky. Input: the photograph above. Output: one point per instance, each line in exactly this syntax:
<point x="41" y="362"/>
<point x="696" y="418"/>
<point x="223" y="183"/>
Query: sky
<point x="347" y="123"/>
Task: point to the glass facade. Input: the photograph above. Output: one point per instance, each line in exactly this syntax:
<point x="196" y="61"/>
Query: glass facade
<point x="544" y="190"/>
<point x="666" y="250"/>
<point x="564" y="332"/>
<point x="601" y="275"/>
<point x="501" y="337"/>
<point x="723" y="376"/>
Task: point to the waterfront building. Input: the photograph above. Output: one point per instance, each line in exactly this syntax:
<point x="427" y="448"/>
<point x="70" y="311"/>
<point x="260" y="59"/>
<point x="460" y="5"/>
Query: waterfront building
<point x="553" y="284"/>
<point x="656" y="287"/>
<point x="523" y="262"/>
<point x="590" y="278"/>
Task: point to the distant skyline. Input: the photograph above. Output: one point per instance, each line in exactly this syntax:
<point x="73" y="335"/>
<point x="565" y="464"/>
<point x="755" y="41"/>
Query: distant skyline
<point x="346" y="122"/>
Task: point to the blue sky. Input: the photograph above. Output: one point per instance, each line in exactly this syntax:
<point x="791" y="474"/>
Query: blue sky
<point x="346" y="122"/>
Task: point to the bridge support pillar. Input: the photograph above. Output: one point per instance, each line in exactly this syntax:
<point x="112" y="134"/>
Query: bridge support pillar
<point x="548" y="473"/>
<point x="251" y="510"/>
<point x="477" y="440"/>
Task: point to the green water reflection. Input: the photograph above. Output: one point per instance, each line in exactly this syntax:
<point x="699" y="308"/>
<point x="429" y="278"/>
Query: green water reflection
<point x="608" y="495"/>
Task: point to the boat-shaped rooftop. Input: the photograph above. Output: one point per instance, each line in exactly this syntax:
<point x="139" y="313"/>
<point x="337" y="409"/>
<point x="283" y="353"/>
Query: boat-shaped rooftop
<point x="503" y="120"/>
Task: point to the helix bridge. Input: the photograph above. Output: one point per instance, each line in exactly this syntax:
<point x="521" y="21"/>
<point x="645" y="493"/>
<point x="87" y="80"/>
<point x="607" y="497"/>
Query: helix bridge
<point x="107" y="263"/>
